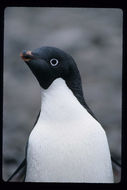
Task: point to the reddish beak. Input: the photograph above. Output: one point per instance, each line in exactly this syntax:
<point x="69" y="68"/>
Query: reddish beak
<point x="26" y="55"/>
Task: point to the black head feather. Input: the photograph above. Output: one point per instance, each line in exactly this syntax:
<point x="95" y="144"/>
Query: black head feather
<point x="50" y="63"/>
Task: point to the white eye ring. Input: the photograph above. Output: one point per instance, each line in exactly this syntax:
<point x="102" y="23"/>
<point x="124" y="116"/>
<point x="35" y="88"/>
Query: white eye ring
<point x="54" y="62"/>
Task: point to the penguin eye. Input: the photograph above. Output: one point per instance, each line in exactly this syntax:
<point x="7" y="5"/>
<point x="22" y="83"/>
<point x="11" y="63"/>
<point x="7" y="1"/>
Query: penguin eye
<point x="54" y="62"/>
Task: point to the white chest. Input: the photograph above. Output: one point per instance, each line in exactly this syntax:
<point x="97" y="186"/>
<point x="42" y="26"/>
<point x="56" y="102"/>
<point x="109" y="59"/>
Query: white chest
<point x="66" y="144"/>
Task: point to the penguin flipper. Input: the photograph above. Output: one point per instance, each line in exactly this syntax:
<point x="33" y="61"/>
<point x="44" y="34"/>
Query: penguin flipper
<point x="21" y="170"/>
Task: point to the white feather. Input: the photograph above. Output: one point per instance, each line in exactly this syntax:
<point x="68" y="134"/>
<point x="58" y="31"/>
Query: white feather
<point x="67" y="144"/>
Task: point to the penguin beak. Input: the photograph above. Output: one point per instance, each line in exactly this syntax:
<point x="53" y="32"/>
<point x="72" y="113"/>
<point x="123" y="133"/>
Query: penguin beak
<point x="26" y="55"/>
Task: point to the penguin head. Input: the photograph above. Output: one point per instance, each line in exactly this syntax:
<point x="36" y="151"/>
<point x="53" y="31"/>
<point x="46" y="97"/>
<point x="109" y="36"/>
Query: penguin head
<point x="50" y="63"/>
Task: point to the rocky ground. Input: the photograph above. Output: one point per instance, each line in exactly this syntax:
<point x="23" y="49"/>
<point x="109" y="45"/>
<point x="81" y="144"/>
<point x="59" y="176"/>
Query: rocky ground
<point x="94" y="39"/>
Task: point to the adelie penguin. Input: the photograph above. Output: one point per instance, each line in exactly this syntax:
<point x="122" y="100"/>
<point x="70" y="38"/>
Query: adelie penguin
<point x="67" y="143"/>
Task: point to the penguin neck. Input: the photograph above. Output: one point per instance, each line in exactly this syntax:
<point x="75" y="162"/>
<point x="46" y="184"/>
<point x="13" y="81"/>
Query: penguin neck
<point x="75" y="84"/>
<point x="59" y="103"/>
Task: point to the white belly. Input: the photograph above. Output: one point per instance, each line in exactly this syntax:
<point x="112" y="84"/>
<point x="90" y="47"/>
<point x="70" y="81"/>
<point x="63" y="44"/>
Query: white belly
<point x="67" y="144"/>
<point x="68" y="154"/>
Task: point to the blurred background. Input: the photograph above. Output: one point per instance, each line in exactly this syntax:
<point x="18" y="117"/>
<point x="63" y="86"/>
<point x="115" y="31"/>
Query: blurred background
<point x="93" y="36"/>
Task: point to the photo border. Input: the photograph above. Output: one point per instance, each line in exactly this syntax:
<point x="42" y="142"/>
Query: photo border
<point x="76" y="4"/>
